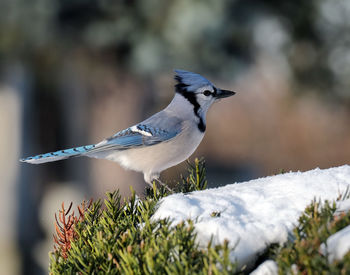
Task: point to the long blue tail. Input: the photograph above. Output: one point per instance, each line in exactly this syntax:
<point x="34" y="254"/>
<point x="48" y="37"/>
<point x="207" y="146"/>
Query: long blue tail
<point x="58" y="155"/>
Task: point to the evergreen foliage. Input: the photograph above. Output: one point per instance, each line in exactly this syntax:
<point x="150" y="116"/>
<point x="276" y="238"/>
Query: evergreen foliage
<point x="122" y="238"/>
<point x="302" y="253"/>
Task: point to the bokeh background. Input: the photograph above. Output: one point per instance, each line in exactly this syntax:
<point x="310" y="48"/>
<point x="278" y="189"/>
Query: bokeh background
<point x="75" y="72"/>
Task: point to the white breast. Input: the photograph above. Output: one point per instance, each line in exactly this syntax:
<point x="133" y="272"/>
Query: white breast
<point x="154" y="159"/>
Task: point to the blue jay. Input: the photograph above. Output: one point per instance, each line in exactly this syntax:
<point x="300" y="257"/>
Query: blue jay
<point x="161" y="141"/>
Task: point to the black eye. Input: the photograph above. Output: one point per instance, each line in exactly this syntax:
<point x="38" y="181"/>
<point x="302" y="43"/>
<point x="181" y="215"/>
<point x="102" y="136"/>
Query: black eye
<point x="207" y="93"/>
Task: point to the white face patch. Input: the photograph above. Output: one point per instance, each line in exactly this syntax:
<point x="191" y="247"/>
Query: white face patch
<point x="136" y="130"/>
<point x="205" y="101"/>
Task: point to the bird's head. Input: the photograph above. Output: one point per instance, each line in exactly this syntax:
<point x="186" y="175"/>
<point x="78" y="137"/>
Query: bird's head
<point x="198" y="90"/>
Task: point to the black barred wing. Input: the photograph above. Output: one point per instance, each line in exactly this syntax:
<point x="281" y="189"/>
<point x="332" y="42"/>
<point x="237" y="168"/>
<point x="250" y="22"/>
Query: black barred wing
<point x="140" y="135"/>
<point x="133" y="137"/>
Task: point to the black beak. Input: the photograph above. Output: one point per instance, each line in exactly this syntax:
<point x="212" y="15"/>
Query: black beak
<point x="223" y="93"/>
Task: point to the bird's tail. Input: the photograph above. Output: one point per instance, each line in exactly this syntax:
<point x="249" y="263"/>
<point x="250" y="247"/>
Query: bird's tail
<point x="58" y="155"/>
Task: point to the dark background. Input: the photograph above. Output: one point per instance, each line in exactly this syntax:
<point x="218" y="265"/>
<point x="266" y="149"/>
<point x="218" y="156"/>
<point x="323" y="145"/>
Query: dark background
<point x="75" y="72"/>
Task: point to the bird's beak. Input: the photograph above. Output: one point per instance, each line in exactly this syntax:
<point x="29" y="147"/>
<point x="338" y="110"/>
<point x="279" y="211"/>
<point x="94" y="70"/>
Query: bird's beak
<point x="224" y="93"/>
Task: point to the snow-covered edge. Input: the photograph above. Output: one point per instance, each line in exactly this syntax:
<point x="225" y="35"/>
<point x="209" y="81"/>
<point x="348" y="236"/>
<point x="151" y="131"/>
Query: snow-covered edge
<point x="254" y="214"/>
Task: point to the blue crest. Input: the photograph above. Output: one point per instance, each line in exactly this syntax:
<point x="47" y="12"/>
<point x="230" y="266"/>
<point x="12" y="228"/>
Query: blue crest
<point x="190" y="81"/>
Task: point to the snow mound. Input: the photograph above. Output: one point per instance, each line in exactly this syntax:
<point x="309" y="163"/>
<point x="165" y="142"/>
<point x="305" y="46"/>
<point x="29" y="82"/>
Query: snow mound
<point x="338" y="245"/>
<point x="251" y="215"/>
<point x="268" y="267"/>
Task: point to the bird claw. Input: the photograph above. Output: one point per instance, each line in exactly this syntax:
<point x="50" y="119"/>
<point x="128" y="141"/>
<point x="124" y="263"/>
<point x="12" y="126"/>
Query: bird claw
<point x="165" y="186"/>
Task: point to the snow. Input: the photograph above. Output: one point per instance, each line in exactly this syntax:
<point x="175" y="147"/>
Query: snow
<point x="343" y="205"/>
<point x="251" y="215"/>
<point x="337" y="245"/>
<point x="268" y="267"/>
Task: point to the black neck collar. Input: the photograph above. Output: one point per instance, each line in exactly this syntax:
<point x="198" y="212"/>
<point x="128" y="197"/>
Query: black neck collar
<point x="181" y="89"/>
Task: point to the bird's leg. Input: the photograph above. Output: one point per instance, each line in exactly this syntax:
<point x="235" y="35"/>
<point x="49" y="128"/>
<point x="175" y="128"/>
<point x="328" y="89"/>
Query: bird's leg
<point x="150" y="183"/>
<point x="164" y="185"/>
<point x="150" y="177"/>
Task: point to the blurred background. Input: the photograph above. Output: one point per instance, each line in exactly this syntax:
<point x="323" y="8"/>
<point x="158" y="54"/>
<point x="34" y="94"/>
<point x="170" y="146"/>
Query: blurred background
<point x="75" y="72"/>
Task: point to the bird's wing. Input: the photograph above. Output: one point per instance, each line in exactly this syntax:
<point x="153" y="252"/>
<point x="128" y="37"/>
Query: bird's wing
<point x="137" y="136"/>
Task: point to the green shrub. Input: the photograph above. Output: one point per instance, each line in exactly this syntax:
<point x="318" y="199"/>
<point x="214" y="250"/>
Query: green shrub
<point x="302" y="253"/>
<point x="121" y="238"/>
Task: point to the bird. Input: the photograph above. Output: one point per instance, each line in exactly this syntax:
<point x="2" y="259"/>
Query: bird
<point x="165" y="139"/>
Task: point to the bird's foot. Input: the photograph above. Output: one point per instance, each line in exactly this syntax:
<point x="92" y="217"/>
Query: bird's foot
<point x="165" y="186"/>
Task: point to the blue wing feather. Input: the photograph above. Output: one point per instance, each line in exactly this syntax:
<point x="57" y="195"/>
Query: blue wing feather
<point x="142" y="135"/>
<point x="137" y="136"/>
